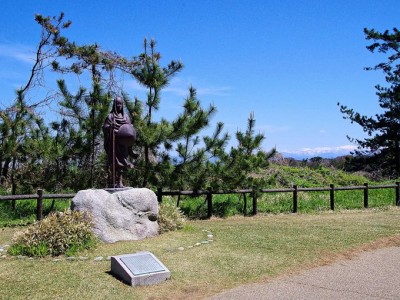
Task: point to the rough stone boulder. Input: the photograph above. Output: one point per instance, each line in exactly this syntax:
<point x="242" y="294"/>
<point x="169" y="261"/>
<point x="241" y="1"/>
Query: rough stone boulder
<point x="120" y="214"/>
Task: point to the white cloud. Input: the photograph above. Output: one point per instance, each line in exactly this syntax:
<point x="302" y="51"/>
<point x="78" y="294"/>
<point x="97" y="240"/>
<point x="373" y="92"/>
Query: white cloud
<point x="339" y="150"/>
<point x="180" y="87"/>
<point x="18" y="52"/>
<point x="272" y="128"/>
<point x="215" y="91"/>
<point x="183" y="92"/>
<point x="133" y="84"/>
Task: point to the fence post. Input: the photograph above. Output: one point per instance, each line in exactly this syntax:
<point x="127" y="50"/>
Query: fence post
<point x="397" y="193"/>
<point x="39" y="205"/>
<point x="295" y="198"/>
<point x="209" y="203"/>
<point x="332" y="196"/>
<point x="254" y="195"/>
<point x="244" y="204"/>
<point x="365" y="195"/>
<point x="159" y="194"/>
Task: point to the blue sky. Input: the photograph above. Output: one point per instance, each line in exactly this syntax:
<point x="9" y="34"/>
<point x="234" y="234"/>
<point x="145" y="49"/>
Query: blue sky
<point x="289" y="62"/>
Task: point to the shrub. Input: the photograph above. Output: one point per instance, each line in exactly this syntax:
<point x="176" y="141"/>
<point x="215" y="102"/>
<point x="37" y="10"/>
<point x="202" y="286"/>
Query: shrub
<point x="59" y="233"/>
<point x="170" y="217"/>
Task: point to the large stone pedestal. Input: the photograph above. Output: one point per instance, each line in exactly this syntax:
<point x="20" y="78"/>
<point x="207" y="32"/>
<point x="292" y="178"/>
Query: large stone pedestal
<point x="120" y="214"/>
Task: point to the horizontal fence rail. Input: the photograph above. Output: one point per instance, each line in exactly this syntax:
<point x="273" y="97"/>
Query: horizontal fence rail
<point x="39" y="200"/>
<point x="209" y="195"/>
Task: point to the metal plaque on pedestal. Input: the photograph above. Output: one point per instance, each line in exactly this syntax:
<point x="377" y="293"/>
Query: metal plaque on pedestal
<point x="141" y="268"/>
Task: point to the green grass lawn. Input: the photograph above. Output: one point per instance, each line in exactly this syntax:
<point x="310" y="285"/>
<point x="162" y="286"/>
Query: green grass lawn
<point x="243" y="250"/>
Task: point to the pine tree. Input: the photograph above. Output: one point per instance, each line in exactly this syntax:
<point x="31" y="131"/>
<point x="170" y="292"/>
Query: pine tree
<point x="20" y="126"/>
<point x="153" y="134"/>
<point x="192" y="152"/>
<point x="241" y="164"/>
<point x="382" y="147"/>
<point x="83" y="117"/>
<point x="21" y="115"/>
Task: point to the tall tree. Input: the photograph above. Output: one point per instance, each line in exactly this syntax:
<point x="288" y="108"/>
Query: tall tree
<point x="21" y="114"/>
<point x="84" y="112"/>
<point x="192" y="152"/>
<point x="382" y="147"/>
<point x="154" y="78"/>
<point x="241" y="164"/>
<point x="83" y="116"/>
<point x="18" y="126"/>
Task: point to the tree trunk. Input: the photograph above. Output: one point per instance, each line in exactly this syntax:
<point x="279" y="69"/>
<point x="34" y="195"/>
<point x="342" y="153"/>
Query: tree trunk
<point x="6" y="167"/>
<point x="13" y="184"/>
<point x="244" y="204"/>
<point x="146" y="166"/>
<point x="1" y="171"/>
<point x="397" y="155"/>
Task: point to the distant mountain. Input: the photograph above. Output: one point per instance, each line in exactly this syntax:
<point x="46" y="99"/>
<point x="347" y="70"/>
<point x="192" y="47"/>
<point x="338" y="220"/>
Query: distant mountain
<point x="301" y="156"/>
<point x="337" y="162"/>
<point x="324" y="152"/>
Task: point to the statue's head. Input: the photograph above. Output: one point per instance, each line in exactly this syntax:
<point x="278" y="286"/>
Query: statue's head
<point x="118" y="105"/>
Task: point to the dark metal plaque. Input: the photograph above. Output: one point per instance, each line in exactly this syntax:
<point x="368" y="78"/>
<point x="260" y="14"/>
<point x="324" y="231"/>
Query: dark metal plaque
<point x="142" y="264"/>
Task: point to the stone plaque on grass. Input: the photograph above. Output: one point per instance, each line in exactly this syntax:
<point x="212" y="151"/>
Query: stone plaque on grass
<point x="141" y="268"/>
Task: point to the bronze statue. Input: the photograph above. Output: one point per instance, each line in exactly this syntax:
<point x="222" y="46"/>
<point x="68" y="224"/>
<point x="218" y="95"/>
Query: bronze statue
<point x="119" y="137"/>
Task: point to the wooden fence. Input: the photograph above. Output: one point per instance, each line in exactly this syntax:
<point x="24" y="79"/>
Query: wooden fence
<point x="39" y="200"/>
<point x="209" y="195"/>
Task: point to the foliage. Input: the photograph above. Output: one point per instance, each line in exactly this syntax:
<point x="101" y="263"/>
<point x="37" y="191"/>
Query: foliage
<point x="19" y="128"/>
<point x="240" y="167"/>
<point x="191" y="161"/>
<point x="154" y="78"/>
<point x="287" y="176"/>
<point x="382" y="148"/>
<point x="171" y="150"/>
<point x="59" y="233"/>
<point x="80" y="136"/>
<point x="170" y="217"/>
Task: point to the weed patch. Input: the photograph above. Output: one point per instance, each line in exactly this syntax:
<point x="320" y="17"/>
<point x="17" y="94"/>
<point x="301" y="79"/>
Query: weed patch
<point x="59" y="233"/>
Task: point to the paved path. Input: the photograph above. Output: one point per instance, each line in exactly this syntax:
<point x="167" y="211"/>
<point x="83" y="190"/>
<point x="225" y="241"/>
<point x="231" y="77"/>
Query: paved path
<point x="369" y="275"/>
